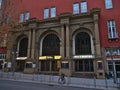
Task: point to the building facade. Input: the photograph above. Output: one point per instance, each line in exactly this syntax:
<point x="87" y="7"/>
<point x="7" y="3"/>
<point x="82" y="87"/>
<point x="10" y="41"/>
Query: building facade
<point x="81" y="38"/>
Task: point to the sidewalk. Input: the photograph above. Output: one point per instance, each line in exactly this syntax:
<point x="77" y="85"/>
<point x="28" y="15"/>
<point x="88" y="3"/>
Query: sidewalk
<point x="53" y="80"/>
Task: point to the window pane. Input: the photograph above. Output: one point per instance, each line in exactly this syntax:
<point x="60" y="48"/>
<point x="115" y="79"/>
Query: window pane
<point x="54" y="66"/>
<point x="65" y="65"/>
<point x="0" y="3"/>
<point x="27" y="15"/>
<point x="53" y="12"/>
<point x="86" y="64"/>
<point x="46" y="13"/>
<point x="82" y="44"/>
<point x="21" y="17"/>
<point x="100" y="65"/>
<point x="45" y="65"/>
<point x="108" y="4"/>
<point x="83" y="7"/>
<point x="28" y="65"/>
<point x="112" y="29"/>
<point x="75" y="8"/>
<point x="51" y="45"/>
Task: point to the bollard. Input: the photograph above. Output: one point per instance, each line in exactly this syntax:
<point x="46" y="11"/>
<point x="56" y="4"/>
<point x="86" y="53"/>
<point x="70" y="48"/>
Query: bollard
<point x="33" y="76"/>
<point x="50" y="79"/>
<point x="94" y="80"/>
<point x="41" y="78"/>
<point x="14" y="77"/>
<point x="69" y="80"/>
<point x="106" y="83"/>
<point x="8" y="75"/>
<point x="1" y="74"/>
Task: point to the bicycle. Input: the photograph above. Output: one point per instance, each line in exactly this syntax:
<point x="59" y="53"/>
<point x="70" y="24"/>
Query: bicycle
<point x="62" y="79"/>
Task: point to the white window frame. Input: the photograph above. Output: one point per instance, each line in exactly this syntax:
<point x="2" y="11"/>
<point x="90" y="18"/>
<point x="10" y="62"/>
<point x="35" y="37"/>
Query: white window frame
<point x="27" y="16"/>
<point x="118" y="51"/>
<point x="21" y="17"/>
<point x="1" y="3"/>
<point x="53" y="12"/>
<point x="76" y="8"/>
<point x="46" y="13"/>
<point x="112" y="29"/>
<point x="108" y="4"/>
<point x="83" y="7"/>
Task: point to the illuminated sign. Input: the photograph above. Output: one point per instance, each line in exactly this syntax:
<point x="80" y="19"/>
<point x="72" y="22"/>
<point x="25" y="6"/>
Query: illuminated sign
<point x="57" y="57"/>
<point x="49" y="57"/>
<point x="83" y="56"/>
<point x="42" y="57"/>
<point x="21" y="58"/>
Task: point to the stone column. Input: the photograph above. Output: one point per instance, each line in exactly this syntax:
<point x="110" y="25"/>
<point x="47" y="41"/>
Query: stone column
<point x="67" y="41"/>
<point x="97" y="39"/>
<point x="33" y="45"/>
<point x="29" y="45"/>
<point x="62" y="44"/>
<point x="99" y="72"/>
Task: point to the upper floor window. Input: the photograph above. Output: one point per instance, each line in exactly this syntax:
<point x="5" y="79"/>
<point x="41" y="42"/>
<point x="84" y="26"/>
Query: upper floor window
<point x="108" y="4"/>
<point x="112" y="34"/>
<point x="0" y="4"/>
<point x="46" y="13"/>
<point x="27" y="15"/>
<point x="2" y="56"/>
<point x="21" y="17"/>
<point x="83" y="7"/>
<point x="24" y="16"/>
<point x="53" y="12"/>
<point x="75" y="8"/>
<point x="6" y="19"/>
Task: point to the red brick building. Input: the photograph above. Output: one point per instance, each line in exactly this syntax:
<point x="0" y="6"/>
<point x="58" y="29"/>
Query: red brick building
<point x="86" y="33"/>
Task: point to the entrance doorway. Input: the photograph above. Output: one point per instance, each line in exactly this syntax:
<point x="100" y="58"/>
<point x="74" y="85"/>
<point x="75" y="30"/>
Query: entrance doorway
<point x="50" y="65"/>
<point x="20" y="64"/>
<point x="1" y="65"/>
<point x="117" y="66"/>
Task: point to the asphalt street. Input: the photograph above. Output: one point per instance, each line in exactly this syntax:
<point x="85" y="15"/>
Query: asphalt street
<point x="18" y="85"/>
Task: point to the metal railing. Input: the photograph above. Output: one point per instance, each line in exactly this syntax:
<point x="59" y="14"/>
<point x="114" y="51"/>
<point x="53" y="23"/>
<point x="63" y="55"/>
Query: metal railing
<point x="53" y="80"/>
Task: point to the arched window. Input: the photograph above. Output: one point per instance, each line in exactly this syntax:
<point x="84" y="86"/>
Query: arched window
<point x="82" y="44"/>
<point x="23" y="44"/>
<point x="51" y="45"/>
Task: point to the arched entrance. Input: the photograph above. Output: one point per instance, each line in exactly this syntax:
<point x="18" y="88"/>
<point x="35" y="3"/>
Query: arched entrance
<point x="51" y="51"/>
<point x="22" y="53"/>
<point x="83" y="49"/>
<point x="82" y="44"/>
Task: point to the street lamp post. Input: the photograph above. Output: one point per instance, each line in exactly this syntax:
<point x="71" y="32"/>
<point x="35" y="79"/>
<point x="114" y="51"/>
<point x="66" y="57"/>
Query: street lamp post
<point x="113" y="66"/>
<point x="37" y="55"/>
<point x="14" y="60"/>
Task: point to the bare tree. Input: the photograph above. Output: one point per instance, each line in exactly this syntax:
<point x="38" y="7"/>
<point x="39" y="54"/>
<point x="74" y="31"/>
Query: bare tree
<point x="9" y="19"/>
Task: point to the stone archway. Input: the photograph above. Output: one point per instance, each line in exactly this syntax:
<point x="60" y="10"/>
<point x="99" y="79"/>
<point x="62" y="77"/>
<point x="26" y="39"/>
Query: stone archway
<point x="51" y="45"/>
<point x="22" y="47"/>
<point x="82" y="44"/>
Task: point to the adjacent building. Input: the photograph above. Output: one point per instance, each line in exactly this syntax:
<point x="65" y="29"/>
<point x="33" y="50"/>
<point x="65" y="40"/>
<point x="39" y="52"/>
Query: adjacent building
<point x="74" y="37"/>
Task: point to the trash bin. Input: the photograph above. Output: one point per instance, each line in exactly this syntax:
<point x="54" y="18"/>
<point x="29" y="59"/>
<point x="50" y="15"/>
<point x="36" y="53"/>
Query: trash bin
<point x="118" y="74"/>
<point x="118" y="82"/>
<point x="118" y="79"/>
